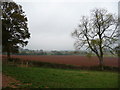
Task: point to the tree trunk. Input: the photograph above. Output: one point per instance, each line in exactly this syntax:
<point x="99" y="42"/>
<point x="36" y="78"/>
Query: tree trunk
<point x="101" y="64"/>
<point x="8" y="53"/>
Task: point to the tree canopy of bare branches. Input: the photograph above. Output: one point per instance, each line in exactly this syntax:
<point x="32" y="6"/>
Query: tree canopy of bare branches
<point x="99" y="32"/>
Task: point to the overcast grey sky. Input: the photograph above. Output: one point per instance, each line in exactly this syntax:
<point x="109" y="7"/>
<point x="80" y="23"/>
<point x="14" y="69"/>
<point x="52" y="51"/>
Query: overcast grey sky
<point x="51" y="22"/>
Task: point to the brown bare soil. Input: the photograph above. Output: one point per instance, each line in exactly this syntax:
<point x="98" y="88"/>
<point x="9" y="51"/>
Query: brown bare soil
<point x="70" y="59"/>
<point x="8" y="81"/>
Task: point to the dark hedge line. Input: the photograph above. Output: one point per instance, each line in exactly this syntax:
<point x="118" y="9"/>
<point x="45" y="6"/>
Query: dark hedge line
<point x="28" y="63"/>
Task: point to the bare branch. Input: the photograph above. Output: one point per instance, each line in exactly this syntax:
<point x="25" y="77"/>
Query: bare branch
<point x="97" y="32"/>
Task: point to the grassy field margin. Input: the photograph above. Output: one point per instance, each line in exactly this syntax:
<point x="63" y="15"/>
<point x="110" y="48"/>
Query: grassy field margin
<point x="39" y="77"/>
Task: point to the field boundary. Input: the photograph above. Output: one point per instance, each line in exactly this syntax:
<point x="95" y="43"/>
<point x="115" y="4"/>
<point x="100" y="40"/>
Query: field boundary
<point x="31" y="63"/>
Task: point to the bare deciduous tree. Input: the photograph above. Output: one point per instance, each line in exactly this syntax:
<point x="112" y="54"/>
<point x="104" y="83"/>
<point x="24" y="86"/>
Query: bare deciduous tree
<point x="97" y="33"/>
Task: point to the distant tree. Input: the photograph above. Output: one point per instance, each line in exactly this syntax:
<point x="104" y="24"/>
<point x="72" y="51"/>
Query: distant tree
<point x="97" y="33"/>
<point x="41" y="52"/>
<point x="14" y="27"/>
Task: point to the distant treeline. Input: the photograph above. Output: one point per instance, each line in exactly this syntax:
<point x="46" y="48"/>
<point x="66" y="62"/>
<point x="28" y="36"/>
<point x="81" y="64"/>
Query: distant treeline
<point x="54" y="52"/>
<point x="41" y="52"/>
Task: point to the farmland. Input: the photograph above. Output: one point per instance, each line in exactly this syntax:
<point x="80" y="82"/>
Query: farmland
<point x="70" y="59"/>
<point x="47" y="77"/>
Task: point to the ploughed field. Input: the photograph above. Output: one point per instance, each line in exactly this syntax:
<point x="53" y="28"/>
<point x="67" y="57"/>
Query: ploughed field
<point x="70" y="59"/>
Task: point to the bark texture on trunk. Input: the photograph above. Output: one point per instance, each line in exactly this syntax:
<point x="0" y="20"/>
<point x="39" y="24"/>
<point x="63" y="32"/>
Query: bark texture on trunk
<point x="8" y="53"/>
<point x="101" y="63"/>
